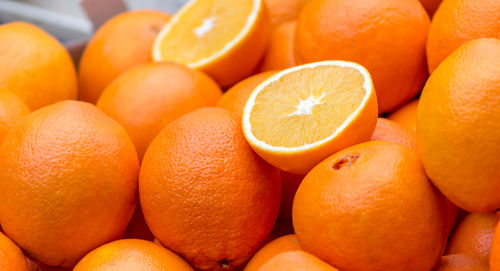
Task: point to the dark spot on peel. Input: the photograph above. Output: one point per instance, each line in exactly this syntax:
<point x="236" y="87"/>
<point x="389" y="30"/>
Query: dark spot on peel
<point x="346" y="161"/>
<point x="224" y="263"/>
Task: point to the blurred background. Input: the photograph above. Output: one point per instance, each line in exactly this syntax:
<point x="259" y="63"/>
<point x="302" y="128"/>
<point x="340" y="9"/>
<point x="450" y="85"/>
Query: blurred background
<point x="74" y="21"/>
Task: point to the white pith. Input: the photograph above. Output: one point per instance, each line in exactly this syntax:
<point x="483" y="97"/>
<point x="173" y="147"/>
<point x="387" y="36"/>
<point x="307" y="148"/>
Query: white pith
<point x="247" y="127"/>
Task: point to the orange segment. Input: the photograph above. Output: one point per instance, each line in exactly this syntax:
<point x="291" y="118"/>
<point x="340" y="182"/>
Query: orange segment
<point x="224" y="38"/>
<point x="299" y="116"/>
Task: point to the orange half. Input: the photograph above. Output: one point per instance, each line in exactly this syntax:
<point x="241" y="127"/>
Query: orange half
<point x="301" y="115"/>
<point x="224" y="38"/>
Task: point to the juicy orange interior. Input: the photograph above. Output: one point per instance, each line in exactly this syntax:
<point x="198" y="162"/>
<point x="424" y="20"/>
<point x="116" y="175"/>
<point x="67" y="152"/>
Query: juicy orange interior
<point x="204" y="29"/>
<point x="306" y="105"/>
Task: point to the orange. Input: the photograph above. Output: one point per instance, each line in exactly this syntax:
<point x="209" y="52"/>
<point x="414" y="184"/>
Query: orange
<point x="122" y="42"/>
<point x="280" y="53"/>
<point x="223" y="38"/>
<point x="388" y="130"/>
<point x="297" y="261"/>
<point x="459" y="21"/>
<point x="147" y="97"/>
<point x="12" y="109"/>
<point x="277" y="246"/>
<point x="335" y="100"/>
<point x="406" y="116"/>
<point x="462" y="262"/>
<point x="131" y="255"/>
<point x="235" y="98"/>
<point x="282" y="11"/>
<point x="37" y="266"/>
<point x="371" y="207"/>
<point x="495" y="251"/>
<point x="430" y="6"/>
<point x="35" y="66"/>
<point x="386" y="36"/>
<point x="473" y="235"/>
<point x="11" y="257"/>
<point x="68" y="182"/>
<point x="457" y="126"/>
<point x="205" y="194"/>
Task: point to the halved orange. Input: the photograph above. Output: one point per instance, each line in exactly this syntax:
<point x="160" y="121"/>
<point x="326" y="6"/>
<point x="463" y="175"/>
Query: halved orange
<point x="301" y="115"/>
<point x="224" y="38"/>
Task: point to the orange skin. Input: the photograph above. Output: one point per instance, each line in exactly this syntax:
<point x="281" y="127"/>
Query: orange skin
<point x="12" y="258"/>
<point x="459" y="21"/>
<point x="37" y="266"/>
<point x="430" y="6"/>
<point x="462" y="262"/>
<point x="296" y="260"/>
<point x="406" y="116"/>
<point x="283" y="244"/>
<point x="458" y="120"/>
<point x="69" y="182"/>
<point x="131" y="255"/>
<point x="147" y="97"/>
<point x="473" y="235"/>
<point x="122" y="42"/>
<point x="340" y="211"/>
<point x="38" y="78"/>
<point x="205" y="194"/>
<point x="12" y="109"/>
<point x="386" y="36"/>
<point x="235" y="98"/>
<point x="495" y="251"/>
<point x="282" y="11"/>
<point x="280" y="53"/>
<point x="388" y="130"/>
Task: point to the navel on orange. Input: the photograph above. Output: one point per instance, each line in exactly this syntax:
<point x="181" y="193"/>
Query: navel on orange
<point x="301" y="115"/>
<point x="223" y="38"/>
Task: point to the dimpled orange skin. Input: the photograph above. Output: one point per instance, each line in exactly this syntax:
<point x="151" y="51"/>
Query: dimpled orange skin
<point x="296" y="260"/>
<point x="236" y="97"/>
<point x="205" y="194"/>
<point x="495" y="251"/>
<point x="473" y="235"/>
<point x="35" y="66"/>
<point x="12" y="109"/>
<point x="11" y="256"/>
<point x="144" y="99"/>
<point x="386" y="36"/>
<point x="281" y="11"/>
<point x="459" y="21"/>
<point x="388" y="130"/>
<point x="458" y="120"/>
<point x="371" y="207"/>
<point x="132" y="255"/>
<point x="430" y="6"/>
<point x="406" y="116"/>
<point x="68" y="180"/>
<point x="277" y="246"/>
<point x="122" y="42"/>
<point x="280" y="53"/>
<point x="462" y="262"/>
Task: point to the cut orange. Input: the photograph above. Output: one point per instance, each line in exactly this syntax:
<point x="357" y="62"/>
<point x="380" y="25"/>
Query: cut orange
<point x="224" y="38"/>
<point x="301" y="115"/>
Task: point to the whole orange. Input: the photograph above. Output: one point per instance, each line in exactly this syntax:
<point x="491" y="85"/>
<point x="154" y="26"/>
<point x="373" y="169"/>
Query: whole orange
<point x="68" y="182"/>
<point x="388" y="130"/>
<point x="205" y="194"/>
<point x="11" y="256"/>
<point x="131" y="255"/>
<point x="386" y="36"/>
<point x="122" y="42"/>
<point x="406" y="115"/>
<point x="459" y="21"/>
<point x="281" y="11"/>
<point x="35" y="66"/>
<point x="296" y="260"/>
<point x="235" y="98"/>
<point x="12" y="109"/>
<point x="371" y="207"/>
<point x="277" y="246"/>
<point x="462" y="262"/>
<point x="457" y="126"/>
<point x="280" y="53"/>
<point x="473" y="235"/>
<point x="147" y="97"/>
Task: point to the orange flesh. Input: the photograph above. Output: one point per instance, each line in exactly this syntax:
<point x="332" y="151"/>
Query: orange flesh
<point x="307" y="105"/>
<point x="204" y="30"/>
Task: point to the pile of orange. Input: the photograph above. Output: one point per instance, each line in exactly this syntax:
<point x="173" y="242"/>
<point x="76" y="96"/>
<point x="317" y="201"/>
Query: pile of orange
<point x="256" y="135"/>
